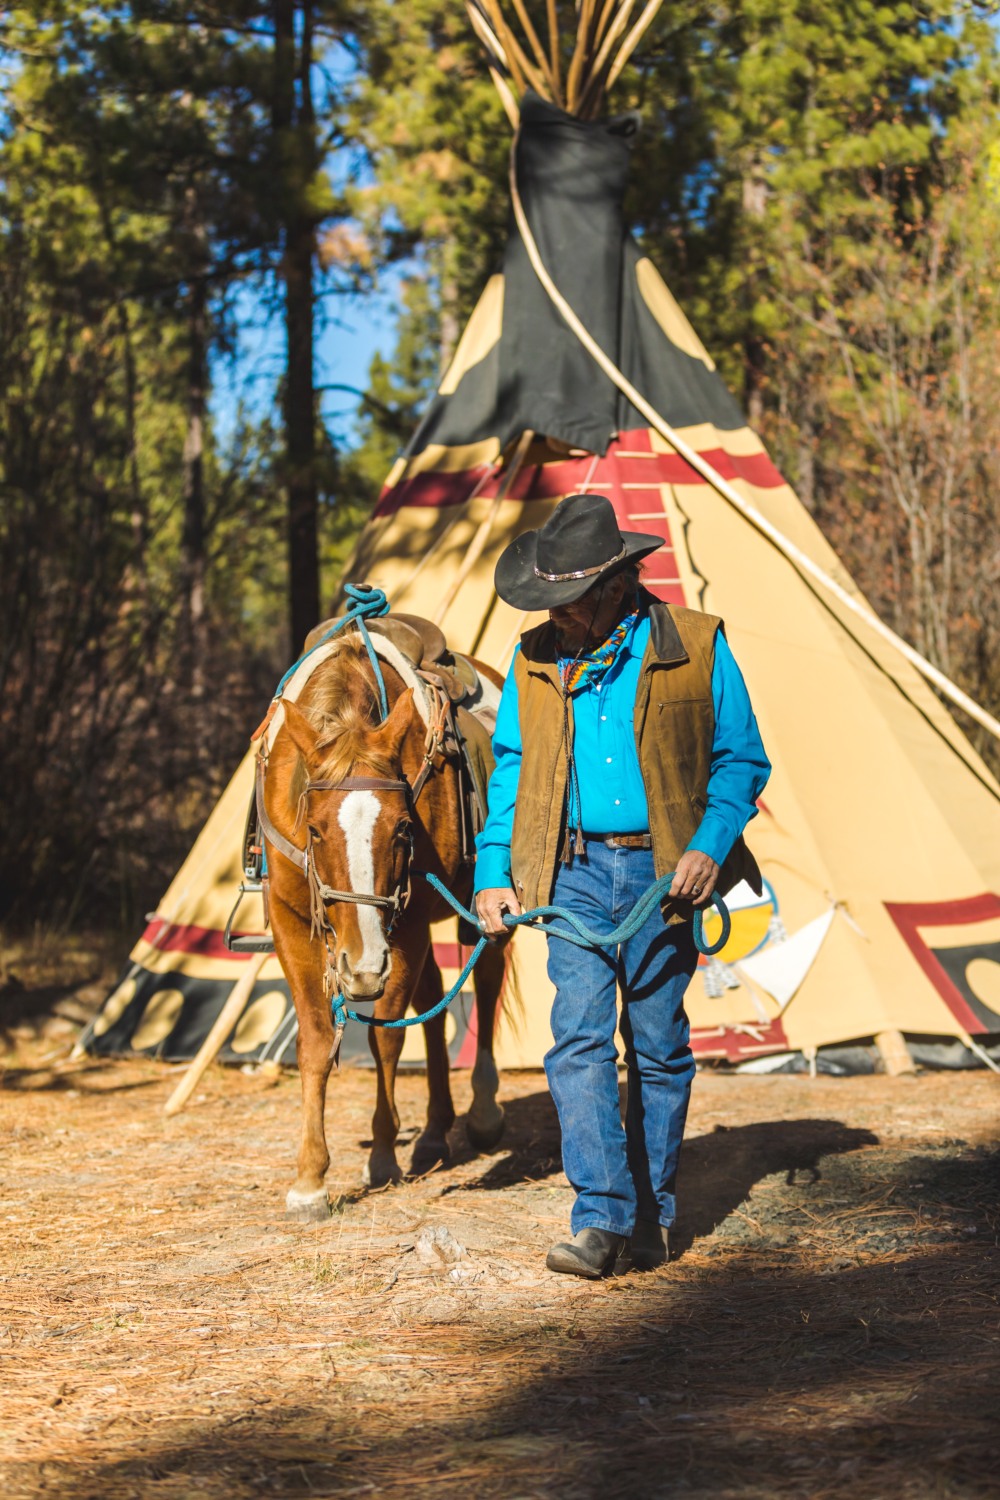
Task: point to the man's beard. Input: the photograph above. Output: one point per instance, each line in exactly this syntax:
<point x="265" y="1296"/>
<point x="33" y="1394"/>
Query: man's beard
<point x="579" y="637"/>
<point x="574" y="640"/>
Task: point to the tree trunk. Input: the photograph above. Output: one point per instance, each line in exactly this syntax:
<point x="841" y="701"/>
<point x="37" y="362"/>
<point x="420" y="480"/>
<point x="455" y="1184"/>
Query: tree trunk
<point x="449" y="331"/>
<point x="754" y="354"/>
<point x="294" y="125"/>
<point x="806" y="464"/>
<point x="193" y="537"/>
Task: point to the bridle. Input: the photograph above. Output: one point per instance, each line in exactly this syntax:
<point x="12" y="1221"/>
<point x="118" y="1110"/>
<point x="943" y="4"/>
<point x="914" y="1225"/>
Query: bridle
<point x="321" y="894"/>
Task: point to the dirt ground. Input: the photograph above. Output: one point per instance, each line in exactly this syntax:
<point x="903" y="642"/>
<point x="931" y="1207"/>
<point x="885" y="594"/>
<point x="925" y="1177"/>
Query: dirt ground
<point x="829" y="1327"/>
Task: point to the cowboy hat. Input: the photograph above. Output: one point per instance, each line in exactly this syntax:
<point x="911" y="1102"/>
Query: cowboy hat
<point x="579" y="546"/>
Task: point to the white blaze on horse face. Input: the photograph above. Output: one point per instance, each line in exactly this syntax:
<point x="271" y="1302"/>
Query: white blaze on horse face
<point x="357" y="817"/>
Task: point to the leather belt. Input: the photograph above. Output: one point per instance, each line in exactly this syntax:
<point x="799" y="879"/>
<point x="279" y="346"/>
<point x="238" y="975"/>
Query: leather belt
<point x="621" y="840"/>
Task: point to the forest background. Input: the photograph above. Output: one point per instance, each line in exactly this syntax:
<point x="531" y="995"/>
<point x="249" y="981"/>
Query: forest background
<point x="818" y="180"/>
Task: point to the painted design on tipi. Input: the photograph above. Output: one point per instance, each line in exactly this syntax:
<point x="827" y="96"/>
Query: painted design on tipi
<point x="957" y="944"/>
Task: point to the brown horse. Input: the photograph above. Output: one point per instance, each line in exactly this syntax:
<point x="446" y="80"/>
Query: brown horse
<point x="341" y="784"/>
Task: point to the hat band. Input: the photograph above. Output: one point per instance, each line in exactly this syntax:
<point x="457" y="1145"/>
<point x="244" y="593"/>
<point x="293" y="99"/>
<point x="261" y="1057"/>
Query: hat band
<point x="581" y="572"/>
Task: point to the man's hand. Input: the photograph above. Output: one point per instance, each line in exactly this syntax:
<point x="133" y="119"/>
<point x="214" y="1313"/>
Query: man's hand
<point x="490" y="908"/>
<point x="695" y="877"/>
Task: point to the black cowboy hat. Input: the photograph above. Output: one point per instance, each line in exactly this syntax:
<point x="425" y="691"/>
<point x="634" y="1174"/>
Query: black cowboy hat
<point x="579" y="545"/>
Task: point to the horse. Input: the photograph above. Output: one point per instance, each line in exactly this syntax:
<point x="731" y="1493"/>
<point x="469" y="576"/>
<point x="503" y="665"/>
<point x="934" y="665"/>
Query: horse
<point x="368" y="802"/>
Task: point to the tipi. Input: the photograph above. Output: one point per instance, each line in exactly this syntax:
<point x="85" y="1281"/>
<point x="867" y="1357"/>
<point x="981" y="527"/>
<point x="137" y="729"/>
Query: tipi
<point x="879" y="834"/>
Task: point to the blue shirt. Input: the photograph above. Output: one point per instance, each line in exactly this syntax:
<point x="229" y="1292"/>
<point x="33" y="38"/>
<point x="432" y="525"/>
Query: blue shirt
<point x="611" y="787"/>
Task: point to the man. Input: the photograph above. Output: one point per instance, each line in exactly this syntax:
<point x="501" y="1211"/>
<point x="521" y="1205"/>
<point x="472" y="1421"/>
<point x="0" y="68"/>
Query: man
<point x="625" y="747"/>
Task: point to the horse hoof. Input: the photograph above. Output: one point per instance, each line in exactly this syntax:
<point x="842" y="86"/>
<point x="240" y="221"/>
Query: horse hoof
<point x="485" y="1135"/>
<point x="428" y="1154"/>
<point x="379" y="1173"/>
<point x="307" y="1208"/>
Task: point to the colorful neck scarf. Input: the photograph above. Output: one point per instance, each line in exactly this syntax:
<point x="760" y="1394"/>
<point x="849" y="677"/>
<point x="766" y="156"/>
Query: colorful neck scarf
<point x="583" y="671"/>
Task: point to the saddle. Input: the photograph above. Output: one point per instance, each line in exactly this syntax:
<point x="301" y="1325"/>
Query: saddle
<point x="423" y="645"/>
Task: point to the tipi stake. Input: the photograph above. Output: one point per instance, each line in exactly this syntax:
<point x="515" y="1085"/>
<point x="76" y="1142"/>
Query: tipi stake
<point x="224" y="1023"/>
<point x="894" y="1052"/>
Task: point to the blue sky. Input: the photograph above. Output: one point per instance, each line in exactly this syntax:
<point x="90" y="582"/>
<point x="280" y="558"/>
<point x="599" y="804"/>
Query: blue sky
<point x="350" y="329"/>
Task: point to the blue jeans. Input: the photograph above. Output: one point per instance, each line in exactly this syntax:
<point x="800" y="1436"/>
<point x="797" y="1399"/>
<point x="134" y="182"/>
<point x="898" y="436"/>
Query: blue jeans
<point x="619" y="1174"/>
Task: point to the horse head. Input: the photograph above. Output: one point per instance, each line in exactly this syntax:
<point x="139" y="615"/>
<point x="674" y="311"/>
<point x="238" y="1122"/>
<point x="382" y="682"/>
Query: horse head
<point x="354" y="802"/>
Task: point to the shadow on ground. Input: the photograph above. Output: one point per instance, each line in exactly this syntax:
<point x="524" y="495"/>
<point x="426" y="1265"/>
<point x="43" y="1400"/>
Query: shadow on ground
<point x="878" y="1382"/>
<point x="93" y="1078"/>
<point x="717" y="1170"/>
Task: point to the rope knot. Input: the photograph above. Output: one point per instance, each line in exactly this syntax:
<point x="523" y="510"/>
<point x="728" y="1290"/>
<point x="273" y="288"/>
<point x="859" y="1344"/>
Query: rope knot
<point x="367" y="601"/>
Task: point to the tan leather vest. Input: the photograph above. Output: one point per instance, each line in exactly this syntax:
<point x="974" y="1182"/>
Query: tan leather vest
<point x="674" y="729"/>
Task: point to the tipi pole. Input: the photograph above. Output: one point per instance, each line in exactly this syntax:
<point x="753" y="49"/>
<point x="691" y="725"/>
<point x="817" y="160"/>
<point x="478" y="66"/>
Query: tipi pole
<point x="632" y="41"/>
<point x="795" y="555"/>
<point x="498" y="65"/>
<point x="212" y="1045"/>
<point x="542" y="58"/>
<point x="590" y="94"/>
<point x="552" y="18"/>
<point x="894" y="1052"/>
<point x="585" y="12"/>
<point x="522" y="70"/>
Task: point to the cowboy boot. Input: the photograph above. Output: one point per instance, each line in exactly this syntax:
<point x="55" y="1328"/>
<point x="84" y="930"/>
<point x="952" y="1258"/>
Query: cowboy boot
<point x="650" y="1245"/>
<point x="592" y="1253"/>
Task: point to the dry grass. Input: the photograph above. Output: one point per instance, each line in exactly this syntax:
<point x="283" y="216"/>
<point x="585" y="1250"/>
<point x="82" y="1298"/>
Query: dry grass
<point x="830" y="1328"/>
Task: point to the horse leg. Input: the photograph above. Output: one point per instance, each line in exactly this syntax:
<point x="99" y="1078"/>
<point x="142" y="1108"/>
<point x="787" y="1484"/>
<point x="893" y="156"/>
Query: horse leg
<point x="302" y="962"/>
<point x="484" y="1123"/>
<point x="386" y="1045"/>
<point x="431" y="1147"/>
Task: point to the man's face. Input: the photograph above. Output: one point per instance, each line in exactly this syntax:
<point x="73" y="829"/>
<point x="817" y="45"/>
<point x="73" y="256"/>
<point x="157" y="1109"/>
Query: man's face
<point x="588" y="621"/>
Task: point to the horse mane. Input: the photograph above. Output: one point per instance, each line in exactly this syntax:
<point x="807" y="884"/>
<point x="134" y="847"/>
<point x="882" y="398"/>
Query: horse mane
<point x="345" y="710"/>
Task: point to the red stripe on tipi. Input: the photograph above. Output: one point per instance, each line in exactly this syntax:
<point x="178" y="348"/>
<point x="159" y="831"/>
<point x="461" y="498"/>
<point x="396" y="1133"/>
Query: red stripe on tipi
<point x="629" y="460"/>
<point x="200" y="942"/>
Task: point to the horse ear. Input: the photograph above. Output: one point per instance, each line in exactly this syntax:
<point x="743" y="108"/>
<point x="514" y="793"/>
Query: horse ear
<point x="300" y="730"/>
<point x="400" y="719"/>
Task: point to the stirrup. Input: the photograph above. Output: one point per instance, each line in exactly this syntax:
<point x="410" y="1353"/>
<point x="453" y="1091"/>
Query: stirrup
<point x="250" y="942"/>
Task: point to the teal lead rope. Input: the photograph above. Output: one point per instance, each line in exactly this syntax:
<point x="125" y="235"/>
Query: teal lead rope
<point x="542" y="919"/>
<point x="367" y="603"/>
